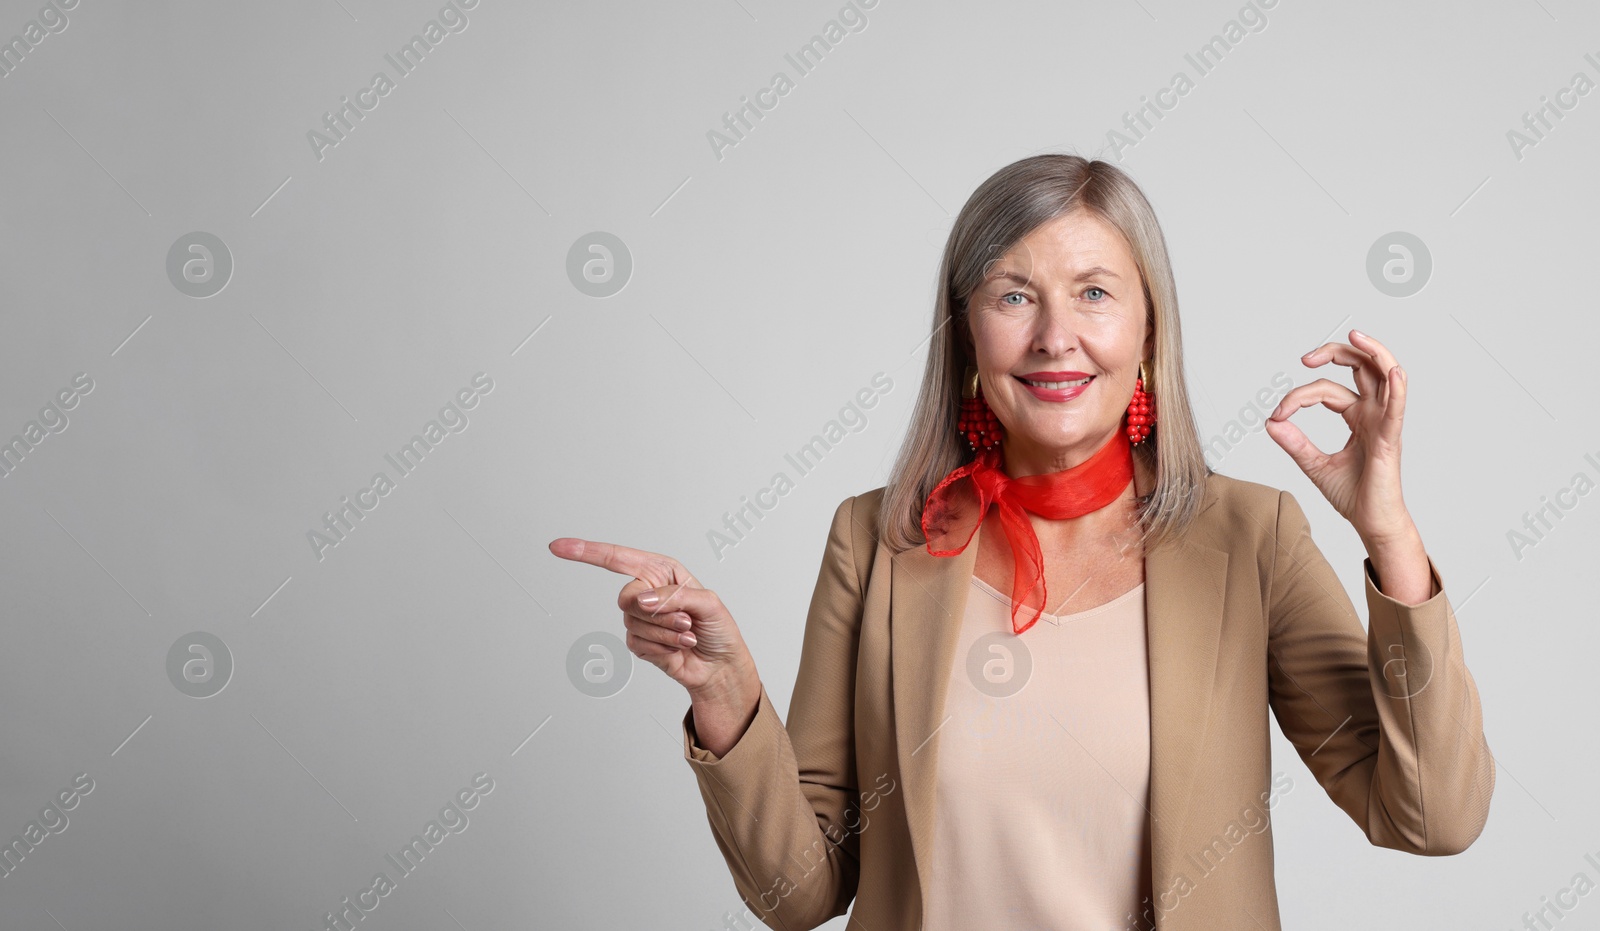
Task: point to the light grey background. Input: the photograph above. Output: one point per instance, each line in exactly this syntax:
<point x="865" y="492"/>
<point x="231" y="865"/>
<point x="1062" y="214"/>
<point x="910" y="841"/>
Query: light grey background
<point x="768" y="286"/>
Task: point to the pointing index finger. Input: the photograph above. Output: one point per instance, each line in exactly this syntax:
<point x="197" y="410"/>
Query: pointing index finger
<point x="640" y="564"/>
<point x="623" y="559"/>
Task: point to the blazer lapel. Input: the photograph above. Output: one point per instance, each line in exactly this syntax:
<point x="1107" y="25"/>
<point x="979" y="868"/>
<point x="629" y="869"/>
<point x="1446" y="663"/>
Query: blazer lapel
<point x="1183" y="621"/>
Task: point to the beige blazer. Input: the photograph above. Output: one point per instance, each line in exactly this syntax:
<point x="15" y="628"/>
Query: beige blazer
<point x="1243" y="614"/>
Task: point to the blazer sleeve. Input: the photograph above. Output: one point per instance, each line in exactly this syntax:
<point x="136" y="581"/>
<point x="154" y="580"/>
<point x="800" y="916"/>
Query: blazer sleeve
<point x="1388" y="721"/>
<point x="783" y="802"/>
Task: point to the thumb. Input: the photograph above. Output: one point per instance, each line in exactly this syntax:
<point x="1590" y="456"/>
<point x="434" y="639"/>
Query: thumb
<point x="1294" y="442"/>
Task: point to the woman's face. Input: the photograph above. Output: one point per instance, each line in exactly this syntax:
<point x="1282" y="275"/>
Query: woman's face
<point x="1064" y="304"/>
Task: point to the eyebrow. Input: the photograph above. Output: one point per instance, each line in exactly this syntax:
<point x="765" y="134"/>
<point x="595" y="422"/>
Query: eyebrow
<point x="1085" y="275"/>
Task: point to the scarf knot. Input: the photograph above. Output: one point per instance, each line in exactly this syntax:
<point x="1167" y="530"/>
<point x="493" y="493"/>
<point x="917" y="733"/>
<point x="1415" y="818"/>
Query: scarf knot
<point x="958" y="504"/>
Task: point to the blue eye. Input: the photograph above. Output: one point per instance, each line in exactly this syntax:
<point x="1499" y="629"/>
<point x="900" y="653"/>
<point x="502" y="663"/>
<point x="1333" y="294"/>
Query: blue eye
<point x="1094" y="288"/>
<point x="1012" y="294"/>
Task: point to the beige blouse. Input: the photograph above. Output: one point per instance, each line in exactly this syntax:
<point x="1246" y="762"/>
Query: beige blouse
<point x="1044" y="771"/>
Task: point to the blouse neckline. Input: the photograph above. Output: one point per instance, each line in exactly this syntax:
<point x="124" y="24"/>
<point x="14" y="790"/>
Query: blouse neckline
<point x="1057" y="619"/>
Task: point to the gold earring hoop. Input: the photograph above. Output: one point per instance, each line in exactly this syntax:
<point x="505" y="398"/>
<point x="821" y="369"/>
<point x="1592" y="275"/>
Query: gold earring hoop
<point x="969" y="384"/>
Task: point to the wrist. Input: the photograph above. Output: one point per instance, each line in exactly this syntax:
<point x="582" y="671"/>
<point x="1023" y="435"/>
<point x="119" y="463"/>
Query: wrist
<point x="736" y="681"/>
<point x="1401" y="536"/>
<point x="1400" y="567"/>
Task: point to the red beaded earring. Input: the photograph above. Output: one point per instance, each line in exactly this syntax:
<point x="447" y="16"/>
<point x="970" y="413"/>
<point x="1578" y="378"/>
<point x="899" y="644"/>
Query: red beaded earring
<point x="977" y="422"/>
<point x="1142" y="409"/>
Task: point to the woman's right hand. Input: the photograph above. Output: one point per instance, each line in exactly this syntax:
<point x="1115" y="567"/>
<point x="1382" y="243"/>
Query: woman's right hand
<point x="686" y="632"/>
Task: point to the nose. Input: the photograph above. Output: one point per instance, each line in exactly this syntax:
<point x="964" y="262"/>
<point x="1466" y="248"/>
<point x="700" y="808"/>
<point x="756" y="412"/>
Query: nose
<point x="1053" y="335"/>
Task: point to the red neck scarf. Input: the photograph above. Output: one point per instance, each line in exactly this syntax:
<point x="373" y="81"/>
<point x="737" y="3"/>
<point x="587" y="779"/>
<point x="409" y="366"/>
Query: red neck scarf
<point x="956" y="509"/>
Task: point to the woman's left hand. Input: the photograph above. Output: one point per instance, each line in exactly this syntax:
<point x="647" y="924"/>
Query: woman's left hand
<point x="1362" y="480"/>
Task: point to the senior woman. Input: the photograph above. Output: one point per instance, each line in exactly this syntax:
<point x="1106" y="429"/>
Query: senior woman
<point x="949" y="761"/>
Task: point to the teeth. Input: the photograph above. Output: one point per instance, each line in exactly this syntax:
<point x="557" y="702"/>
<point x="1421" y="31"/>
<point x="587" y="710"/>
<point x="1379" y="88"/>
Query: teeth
<point x="1058" y="385"/>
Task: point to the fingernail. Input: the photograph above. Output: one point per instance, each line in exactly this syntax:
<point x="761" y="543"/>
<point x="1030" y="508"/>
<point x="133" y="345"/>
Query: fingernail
<point x="683" y="623"/>
<point x="688" y="640"/>
<point x="648" y="598"/>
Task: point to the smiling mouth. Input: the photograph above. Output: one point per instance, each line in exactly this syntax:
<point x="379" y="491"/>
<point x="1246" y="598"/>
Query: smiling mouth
<point x="1055" y="385"/>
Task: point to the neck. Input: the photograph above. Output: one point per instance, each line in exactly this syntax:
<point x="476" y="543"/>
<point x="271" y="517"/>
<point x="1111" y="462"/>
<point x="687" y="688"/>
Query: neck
<point x="1019" y="458"/>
